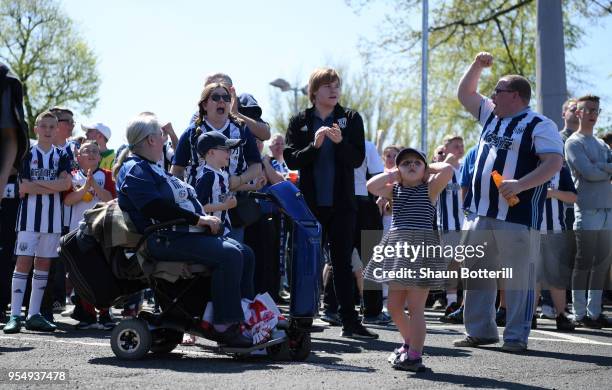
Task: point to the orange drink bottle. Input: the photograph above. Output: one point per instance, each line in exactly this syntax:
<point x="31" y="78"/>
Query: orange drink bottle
<point x="498" y="179"/>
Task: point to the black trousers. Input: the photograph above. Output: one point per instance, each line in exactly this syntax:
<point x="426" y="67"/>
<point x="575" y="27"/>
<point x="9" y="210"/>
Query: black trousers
<point x="368" y="218"/>
<point x="339" y="231"/>
<point x="264" y="239"/>
<point x="8" y="236"/>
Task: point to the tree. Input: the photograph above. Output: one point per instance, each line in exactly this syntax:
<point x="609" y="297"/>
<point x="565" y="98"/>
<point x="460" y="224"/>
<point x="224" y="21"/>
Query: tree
<point x="458" y="30"/>
<point x="39" y="43"/>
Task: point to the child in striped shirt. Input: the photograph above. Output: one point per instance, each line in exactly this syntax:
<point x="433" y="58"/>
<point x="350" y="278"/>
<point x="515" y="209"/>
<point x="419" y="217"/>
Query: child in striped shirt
<point x="44" y="175"/>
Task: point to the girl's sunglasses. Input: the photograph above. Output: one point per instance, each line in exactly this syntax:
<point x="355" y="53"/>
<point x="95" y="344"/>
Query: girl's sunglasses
<point x="407" y="163"/>
<point x="216" y="98"/>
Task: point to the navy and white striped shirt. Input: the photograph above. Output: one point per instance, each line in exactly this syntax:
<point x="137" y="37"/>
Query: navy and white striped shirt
<point x="511" y="146"/>
<point x="554" y="210"/>
<point x="212" y="187"/>
<point x="70" y="148"/>
<point x="450" y="214"/>
<point x="186" y="153"/>
<point x="42" y="213"/>
<point x="412" y="208"/>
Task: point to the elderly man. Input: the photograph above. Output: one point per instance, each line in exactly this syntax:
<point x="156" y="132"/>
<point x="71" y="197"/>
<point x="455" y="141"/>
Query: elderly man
<point x="526" y="149"/>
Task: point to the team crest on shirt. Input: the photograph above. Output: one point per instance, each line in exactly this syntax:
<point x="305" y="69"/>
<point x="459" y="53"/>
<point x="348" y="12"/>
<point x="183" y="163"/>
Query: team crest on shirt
<point x="519" y="130"/>
<point x="23" y="246"/>
<point x="499" y="142"/>
<point x="342" y="123"/>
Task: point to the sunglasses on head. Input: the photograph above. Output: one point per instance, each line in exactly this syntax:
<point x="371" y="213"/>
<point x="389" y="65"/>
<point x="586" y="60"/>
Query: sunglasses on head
<point x="217" y="98"/>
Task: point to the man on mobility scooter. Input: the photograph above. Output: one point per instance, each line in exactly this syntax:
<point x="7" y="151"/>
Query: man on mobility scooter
<point x="147" y="192"/>
<point x="116" y="252"/>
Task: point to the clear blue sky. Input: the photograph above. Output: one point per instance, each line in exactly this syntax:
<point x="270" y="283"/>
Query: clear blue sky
<point x="153" y="55"/>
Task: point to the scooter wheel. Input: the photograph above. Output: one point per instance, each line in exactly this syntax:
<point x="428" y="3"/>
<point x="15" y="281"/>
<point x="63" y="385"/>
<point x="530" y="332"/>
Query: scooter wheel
<point x="131" y="339"/>
<point x="165" y="340"/>
<point x="300" y="346"/>
<point x="279" y="351"/>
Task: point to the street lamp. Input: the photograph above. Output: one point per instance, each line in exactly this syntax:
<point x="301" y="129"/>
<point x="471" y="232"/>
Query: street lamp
<point x="284" y="86"/>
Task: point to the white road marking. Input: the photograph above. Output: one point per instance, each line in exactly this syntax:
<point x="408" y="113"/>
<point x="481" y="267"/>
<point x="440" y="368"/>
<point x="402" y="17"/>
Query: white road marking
<point x="569" y="338"/>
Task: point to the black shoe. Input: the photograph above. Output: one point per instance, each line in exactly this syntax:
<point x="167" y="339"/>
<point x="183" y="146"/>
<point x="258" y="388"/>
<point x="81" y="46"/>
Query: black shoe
<point x="451" y="308"/>
<point x="331" y="318"/>
<point x="233" y="337"/>
<point x="564" y="323"/>
<point x="455" y="317"/>
<point x="590" y="323"/>
<point x="500" y="316"/>
<point x="604" y="321"/>
<point x="86" y="320"/>
<point x="404" y="364"/>
<point x="106" y="320"/>
<point x="357" y="331"/>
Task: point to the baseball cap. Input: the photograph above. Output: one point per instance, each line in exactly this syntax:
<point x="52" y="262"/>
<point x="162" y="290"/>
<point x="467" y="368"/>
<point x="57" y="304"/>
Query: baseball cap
<point x="101" y="127"/>
<point x="406" y="151"/>
<point x="214" y="139"/>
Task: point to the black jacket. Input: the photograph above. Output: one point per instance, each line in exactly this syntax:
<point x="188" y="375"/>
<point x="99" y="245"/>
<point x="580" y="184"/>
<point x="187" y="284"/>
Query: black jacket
<point x="301" y="154"/>
<point x="8" y="80"/>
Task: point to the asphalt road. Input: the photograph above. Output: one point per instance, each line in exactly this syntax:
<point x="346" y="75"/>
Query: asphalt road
<point x="580" y="360"/>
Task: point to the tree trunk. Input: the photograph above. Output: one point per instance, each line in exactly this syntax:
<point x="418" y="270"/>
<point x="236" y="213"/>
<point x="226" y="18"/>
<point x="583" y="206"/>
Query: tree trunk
<point x="551" y="86"/>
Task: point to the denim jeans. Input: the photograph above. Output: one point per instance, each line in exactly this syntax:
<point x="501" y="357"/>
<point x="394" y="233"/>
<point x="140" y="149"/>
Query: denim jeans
<point x="231" y="263"/>
<point x="237" y="234"/>
<point x="593" y="229"/>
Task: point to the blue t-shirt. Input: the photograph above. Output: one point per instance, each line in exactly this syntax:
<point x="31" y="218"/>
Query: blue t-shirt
<point x="467" y="169"/>
<point x="140" y="181"/>
<point x="324" y="166"/>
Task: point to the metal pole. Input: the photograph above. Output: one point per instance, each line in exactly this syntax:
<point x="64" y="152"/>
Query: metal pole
<point x="551" y="87"/>
<point x="424" y="63"/>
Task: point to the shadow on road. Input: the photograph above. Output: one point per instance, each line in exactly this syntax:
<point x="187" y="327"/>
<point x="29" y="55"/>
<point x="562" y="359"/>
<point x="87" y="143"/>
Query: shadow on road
<point x="179" y="362"/>
<point x="16" y="349"/>
<point x="472" y="381"/>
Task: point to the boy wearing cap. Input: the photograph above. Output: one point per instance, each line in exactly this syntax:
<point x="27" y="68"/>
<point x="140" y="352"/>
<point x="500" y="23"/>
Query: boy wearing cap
<point x="101" y="133"/>
<point x="212" y="181"/>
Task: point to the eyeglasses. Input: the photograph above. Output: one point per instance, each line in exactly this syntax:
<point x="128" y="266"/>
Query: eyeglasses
<point x="499" y="90"/>
<point x="407" y="163"/>
<point x="216" y="98"/>
<point x="587" y="111"/>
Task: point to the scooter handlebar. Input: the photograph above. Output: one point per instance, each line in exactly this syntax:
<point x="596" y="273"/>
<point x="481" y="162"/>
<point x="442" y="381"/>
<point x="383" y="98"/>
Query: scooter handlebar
<point x="260" y="196"/>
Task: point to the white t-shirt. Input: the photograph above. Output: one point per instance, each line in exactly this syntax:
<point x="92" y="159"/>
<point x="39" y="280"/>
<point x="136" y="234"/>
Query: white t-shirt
<point x="372" y="164"/>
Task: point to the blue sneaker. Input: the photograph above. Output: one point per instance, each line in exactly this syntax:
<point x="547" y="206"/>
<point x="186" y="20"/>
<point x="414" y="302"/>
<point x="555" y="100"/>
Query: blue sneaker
<point x="13" y="325"/>
<point x="39" y="323"/>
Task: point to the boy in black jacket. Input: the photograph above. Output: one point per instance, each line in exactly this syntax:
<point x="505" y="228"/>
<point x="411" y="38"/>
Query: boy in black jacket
<point x="326" y="143"/>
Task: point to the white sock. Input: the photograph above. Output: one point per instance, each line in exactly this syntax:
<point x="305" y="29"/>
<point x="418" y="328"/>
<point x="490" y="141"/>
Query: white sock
<point x="39" y="282"/>
<point x="20" y="280"/>
<point x="451" y="298"/>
